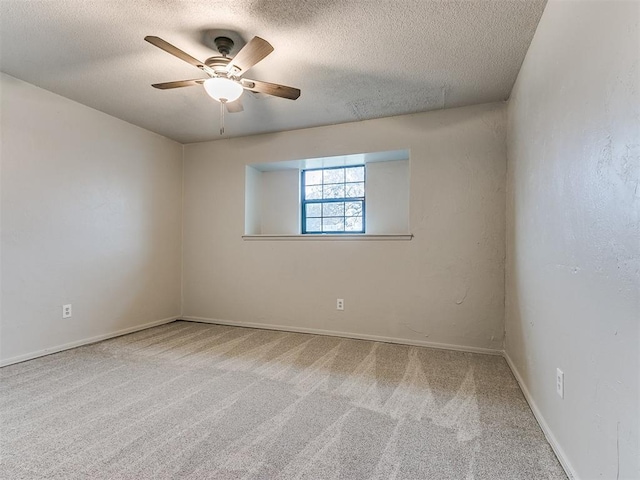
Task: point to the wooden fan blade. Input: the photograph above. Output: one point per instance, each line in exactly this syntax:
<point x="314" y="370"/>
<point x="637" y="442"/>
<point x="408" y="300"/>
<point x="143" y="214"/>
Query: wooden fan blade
<point x="271" y="89"/>
<point x="176" y="52"/>
<point x="235" y="106"/>
<point x="252" y="53"/>
<point x="178" y="84"/>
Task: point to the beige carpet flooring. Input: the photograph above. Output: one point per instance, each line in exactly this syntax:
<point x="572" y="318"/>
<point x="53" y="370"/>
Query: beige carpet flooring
<point x="196" y="401"/>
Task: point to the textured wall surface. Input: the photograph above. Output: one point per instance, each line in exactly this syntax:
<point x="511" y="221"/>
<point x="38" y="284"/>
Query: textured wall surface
<point x="573" y="275"/>
<point x="445" y="286"/>
<point x="90" y="216"/>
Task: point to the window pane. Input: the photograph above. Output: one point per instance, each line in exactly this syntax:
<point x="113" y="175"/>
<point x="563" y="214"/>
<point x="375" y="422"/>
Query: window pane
<point x="353" y="209"/>
<point x="333" y="209"/>
<point x="331" y="184"/>
<point x="313" y="177"/>
<point x="354" y="174"/>
<point x="333" y="224"/>
<point x="355" y="190"/>
<point x="333" y="191"/>
<point x="334" y="175"/>
<point x="314" y="210"/>
<point x="314" y="225"/>
<point x="353" y="224"/>
<point x="313" y="192"/>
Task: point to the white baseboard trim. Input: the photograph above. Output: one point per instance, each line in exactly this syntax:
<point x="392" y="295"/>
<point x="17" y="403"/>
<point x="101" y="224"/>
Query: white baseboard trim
<point x="333" y="333"/>
<point x="557" y="449"/>
<point x="85" y="341"/>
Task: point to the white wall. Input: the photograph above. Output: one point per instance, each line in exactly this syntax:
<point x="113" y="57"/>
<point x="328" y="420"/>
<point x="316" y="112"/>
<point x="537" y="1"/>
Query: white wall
<point x="388" y="191"/>
<point x="280" y="202"/>
<point x="573" y="275"/>
<point x="252" y="200"/>
<point x="444" y="286"/>
<point x="91" y="215"/>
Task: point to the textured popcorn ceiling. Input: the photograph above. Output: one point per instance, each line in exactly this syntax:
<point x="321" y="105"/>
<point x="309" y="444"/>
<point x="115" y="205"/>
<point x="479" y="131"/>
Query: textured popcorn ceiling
<point x="353" y="60"/>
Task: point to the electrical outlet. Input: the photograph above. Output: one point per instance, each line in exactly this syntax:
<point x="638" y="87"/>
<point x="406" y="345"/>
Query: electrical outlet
<point x="340" y="304"/>
<point x="66" y="311"/>
<point x="560" y="382"/>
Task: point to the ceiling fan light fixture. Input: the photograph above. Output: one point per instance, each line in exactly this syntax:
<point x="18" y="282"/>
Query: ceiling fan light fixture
<point x="223" y="89"/>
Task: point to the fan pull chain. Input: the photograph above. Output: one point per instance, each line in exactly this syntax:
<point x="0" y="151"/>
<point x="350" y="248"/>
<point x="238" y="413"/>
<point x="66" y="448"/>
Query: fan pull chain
<point x="222" y="118"/>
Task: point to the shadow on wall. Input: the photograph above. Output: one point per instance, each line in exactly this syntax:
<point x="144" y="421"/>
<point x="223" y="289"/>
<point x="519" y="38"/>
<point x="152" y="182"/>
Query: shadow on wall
<point x="514" y="333"/>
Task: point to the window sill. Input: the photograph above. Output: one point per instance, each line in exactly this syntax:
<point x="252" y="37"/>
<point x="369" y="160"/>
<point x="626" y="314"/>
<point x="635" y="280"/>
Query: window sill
<point x="331" y="237"/>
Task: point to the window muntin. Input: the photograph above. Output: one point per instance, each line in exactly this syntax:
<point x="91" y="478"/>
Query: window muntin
<point x="333" y="200"/>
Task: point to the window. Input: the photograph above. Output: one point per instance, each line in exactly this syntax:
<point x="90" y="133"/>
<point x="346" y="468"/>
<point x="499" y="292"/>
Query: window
<point x="365" y="194"/>
<point x="333" y="200"/>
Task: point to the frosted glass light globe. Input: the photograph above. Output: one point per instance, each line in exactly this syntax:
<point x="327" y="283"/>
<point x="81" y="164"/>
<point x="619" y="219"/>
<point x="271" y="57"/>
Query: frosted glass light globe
<point x="222" y="89"/>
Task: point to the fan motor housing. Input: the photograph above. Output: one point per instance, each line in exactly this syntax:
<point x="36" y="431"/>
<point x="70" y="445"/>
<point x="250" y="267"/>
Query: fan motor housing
<point x="218" y="64"/>
<point x="224" y="45"/>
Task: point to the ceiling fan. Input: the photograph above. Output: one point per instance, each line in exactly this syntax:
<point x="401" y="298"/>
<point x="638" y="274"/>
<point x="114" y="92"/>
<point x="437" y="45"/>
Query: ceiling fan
<point x="226" y="83"/>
